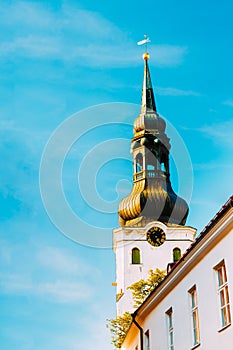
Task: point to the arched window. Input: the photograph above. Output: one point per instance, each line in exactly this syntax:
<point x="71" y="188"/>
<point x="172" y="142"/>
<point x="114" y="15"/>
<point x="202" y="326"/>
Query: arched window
<point x="176" y="254"/>
<point x="163" y="167"/>
<point x="151" y="161"/>
<point x="163" y="163"/>
<point x="136" y="256"/>
<point x="150" y="167"/>
<point x="139" y="162"/>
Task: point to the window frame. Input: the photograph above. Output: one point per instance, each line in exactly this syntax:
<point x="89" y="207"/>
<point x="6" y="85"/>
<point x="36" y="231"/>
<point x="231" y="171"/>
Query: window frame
<point x="147" y="340"/>
<point x="175" y="252"/>
<point x="195" y="321"/>
<point x="223" y="295"/>
<point x="170" y="329"/>
<point x="139" y="166"/>
<point x="135" y="260"/>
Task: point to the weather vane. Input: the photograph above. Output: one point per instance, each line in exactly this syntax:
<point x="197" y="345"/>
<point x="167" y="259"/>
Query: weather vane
<point x="144" y="41"/>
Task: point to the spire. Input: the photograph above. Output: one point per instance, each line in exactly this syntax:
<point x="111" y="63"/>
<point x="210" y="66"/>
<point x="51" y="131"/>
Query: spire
<point x="152" y="196"/>
<point x="148" y="100"/>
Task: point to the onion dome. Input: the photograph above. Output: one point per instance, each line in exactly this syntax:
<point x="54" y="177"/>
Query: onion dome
<point x="152" y="197"/>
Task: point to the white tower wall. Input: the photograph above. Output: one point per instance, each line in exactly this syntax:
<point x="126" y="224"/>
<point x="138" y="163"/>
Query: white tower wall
<point x="127" y="238"/>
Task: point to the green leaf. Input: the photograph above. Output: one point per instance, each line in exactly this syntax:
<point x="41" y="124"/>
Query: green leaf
<point x="142" y="288"/>
<point x="119" y="327"/>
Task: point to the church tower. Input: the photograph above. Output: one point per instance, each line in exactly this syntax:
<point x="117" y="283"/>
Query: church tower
<point x="152" y="232"/>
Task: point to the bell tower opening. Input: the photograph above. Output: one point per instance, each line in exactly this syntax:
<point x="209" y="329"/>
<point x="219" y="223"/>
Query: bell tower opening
<point x="139" y="163"/>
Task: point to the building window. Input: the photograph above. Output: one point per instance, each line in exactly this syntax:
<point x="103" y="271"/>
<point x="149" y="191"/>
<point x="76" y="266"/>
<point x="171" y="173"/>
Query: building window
<point x="194" y="315"/>
<point x="136" y="256"/>
<point x="147" y="340"/>
<point x="169" y="315"/>
<point x="163" y="167"/>
<point x="176" y="254"/>
<point x="139" y="162"/>
<point x="223" y="294"/>
<point x="150" y="167"/>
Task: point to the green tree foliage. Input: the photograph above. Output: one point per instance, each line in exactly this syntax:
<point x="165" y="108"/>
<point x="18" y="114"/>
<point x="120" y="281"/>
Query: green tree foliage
<point x="141" y="289"/>
<point x="119" y="328"/>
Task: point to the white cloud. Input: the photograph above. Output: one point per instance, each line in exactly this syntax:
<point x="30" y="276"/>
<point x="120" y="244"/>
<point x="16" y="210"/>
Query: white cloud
<point x="74" y="34"/>
<point x="99" y="336"/>
<point x="61" y="261"/>
<point x="169" y="91"/>
<point x="5" y="252"/>
<point x="54" y="274"/>
<point x="11" y="131"/>
<point x="34" y="46"/>
<point x="228" y="102"/>
<point x="212" y="166"/>
<point x="220" y="133"/>
<point x="63" y="291"/>
<point x="26" y="13"/>
<point x="59" y="291"/>
<point x="168" y="55"/>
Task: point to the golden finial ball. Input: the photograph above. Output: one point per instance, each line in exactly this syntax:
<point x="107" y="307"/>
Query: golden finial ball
<point x="146" y="56"/>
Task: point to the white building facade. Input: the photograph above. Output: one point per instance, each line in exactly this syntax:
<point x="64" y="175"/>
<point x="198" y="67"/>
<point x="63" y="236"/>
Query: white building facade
<point x="192" y="307"/>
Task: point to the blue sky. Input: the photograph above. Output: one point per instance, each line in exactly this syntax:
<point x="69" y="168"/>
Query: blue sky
<point x="58" y="58"/>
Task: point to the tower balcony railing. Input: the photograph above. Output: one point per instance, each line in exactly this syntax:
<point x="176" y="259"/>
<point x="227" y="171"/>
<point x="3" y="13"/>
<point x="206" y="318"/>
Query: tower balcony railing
<point x="148" y="174"/>
<point x="140" y="175"/>
<point x="151" y="173"/>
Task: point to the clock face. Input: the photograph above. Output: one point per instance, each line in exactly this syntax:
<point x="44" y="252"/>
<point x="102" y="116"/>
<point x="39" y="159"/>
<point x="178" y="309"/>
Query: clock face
<point x="156" y="236"/>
